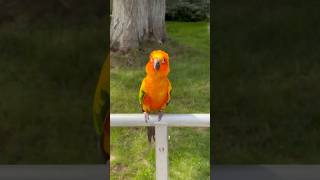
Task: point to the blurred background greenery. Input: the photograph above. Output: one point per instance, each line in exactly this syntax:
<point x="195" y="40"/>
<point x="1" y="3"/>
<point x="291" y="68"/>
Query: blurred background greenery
<point x="266" y="73"/>
<point x="51" y="53"/>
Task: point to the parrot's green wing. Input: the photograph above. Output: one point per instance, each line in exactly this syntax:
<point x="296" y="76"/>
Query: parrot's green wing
<point x="101" y="104"/>
<point x="169" y="93"/>
<point x="141" y="94"/>
<point x="101" y="99"/>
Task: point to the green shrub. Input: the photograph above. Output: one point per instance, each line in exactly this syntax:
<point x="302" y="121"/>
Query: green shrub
<point x="186" y="11"/>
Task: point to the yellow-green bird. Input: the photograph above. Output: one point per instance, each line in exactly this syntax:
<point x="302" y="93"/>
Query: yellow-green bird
<point x="101" y="118"/>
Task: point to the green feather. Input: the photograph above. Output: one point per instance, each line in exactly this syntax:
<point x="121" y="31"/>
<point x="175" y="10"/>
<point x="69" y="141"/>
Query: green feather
<point x="101" y="99"/>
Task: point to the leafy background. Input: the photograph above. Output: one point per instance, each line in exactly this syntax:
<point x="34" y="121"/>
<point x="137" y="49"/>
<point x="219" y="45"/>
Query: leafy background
<point x="265" y="82"/>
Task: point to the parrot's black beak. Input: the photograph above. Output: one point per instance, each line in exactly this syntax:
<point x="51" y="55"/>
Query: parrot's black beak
<point x="156" y="65"/>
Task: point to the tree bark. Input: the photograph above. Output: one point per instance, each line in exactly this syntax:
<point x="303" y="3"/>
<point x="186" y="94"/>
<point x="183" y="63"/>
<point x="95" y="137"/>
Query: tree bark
<point x="134" y="21"/>
<point x="157" y="13"/>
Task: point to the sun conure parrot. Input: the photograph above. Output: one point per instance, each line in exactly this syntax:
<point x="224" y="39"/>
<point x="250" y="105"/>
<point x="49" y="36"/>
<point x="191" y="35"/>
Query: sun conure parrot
<point x="155" y="90"/>
<point x="101" y="118"/>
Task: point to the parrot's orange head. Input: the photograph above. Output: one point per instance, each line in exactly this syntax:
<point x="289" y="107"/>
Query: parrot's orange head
<point x="158" y="64"/>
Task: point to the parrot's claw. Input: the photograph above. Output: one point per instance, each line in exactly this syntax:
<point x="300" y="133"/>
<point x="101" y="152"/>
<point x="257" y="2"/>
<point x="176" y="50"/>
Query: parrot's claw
<point x="146" y="116"/>
<point x="160" y="115"/>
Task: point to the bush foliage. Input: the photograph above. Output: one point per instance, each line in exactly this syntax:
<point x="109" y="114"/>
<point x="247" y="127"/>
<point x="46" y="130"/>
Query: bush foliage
<point x="187" y="10"/>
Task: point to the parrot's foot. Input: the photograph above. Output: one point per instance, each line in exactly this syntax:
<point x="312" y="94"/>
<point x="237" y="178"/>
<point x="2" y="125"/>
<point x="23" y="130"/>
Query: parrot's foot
<point x="160" y="115"/>
<point x="146" y="116"/>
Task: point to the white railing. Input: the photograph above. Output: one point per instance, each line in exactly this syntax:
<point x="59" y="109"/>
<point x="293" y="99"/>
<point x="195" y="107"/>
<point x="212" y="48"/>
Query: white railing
<point x="161" y="132"/>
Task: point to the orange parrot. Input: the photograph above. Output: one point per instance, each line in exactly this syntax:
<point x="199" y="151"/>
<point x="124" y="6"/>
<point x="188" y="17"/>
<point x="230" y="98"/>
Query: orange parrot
<point x="155" y="90"/>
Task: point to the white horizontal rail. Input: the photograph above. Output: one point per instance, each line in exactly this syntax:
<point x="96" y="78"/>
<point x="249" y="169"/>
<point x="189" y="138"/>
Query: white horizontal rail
<point x="173" y="120"/>
<point x="161" y="132"/>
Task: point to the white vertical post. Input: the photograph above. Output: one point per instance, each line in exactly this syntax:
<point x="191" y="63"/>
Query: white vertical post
<point x="161" y="136"/>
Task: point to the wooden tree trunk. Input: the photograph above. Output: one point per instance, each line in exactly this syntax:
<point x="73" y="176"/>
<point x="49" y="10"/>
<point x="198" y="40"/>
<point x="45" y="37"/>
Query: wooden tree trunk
<point x="134" y="21"/>
<point x="157" y="13"/>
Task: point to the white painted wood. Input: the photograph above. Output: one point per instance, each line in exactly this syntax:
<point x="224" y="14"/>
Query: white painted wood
<point x="173" y="120"/>
<point x="161" y="149"/>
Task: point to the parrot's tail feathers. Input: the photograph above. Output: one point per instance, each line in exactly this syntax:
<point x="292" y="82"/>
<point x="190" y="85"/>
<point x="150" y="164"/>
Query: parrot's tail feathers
<point x="151" y="133"/>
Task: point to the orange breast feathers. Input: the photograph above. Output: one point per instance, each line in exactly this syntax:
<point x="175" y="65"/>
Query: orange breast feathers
<point x="155" y="90"/>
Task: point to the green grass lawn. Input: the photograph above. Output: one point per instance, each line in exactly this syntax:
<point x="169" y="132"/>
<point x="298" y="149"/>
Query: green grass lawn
<point x="132" y="157"/>
<point x="48" y="75"/>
